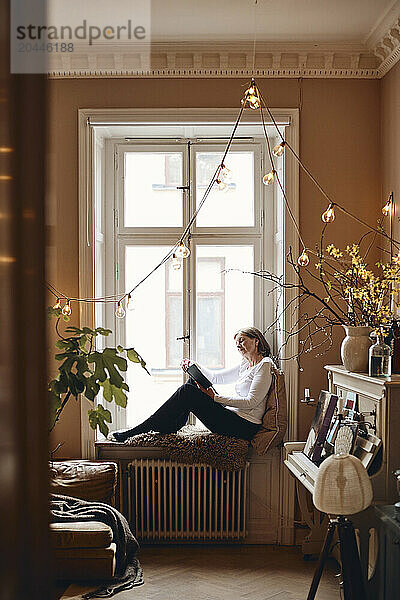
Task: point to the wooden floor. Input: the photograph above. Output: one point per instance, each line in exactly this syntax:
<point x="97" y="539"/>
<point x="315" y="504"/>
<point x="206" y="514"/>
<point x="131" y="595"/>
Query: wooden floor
<point x="226" y="573"/>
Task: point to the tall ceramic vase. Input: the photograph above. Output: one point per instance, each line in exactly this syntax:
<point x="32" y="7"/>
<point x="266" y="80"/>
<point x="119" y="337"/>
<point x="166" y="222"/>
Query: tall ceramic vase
<point x="354" y="348"/>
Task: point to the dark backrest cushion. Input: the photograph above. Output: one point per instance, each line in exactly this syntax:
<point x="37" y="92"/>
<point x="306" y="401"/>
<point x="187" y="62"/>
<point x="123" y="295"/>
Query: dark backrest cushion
<point x="274" y="423"/>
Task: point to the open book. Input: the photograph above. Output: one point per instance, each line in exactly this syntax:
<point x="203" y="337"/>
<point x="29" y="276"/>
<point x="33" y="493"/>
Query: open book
<point x="198" y="376"/>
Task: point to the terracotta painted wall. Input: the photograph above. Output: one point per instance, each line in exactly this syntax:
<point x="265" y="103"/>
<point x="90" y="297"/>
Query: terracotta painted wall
<point x="390" y="139"/>
<point x="339" y="141"/>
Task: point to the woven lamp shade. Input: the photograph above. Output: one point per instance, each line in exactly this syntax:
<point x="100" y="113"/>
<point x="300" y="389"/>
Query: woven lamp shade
<point x="342" y="486"/>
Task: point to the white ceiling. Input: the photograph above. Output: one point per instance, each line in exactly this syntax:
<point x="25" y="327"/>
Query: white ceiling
<point x="327" y="21"/>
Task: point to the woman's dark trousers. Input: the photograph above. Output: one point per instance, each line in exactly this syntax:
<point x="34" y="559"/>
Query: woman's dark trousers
<point x="173" y="415"/>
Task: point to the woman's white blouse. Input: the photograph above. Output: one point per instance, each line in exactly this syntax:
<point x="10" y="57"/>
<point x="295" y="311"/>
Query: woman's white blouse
<point x="252" y="386"/>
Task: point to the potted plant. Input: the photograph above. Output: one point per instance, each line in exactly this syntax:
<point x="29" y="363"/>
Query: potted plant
<point x="88" y="371"/>
<point x="344" y="291"/>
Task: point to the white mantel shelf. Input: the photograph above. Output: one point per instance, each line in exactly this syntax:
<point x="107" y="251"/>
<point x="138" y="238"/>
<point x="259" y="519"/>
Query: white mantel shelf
<point x="393" y="380"/>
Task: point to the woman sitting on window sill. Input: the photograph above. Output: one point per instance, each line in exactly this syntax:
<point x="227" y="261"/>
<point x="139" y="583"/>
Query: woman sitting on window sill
<point x="237" y="416"/>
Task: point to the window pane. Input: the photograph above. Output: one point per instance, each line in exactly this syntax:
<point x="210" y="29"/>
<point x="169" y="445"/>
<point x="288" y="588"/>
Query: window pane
<point x="209" y="331"/>
<point x="224" y="301"/>
<point x="152" y="328"/>
<point x="150" y="195"/>
<point x="233" y="207"/>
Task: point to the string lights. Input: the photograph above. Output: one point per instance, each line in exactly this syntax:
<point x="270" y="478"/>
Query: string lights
<point x="253" y="100"/>
<point x="176" y="262"/>
<point x="222" y="185"/>
<point x="129" y="304"/>
<point x="252" y="96"/>
<point x="269" y="177"/>
<point x="120" y="311"/>
<point x="329" y="215"/>
<point x="303" y="259"/>
<point x="67" y="310"/>
<point x="225" y="173"/>
<point x="388" y="206"/>
<point x="182" y="251"/>
<point x="279" y="149"/>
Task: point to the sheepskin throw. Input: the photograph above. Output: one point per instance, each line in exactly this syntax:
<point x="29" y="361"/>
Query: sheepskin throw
<point x="190" y="445"/>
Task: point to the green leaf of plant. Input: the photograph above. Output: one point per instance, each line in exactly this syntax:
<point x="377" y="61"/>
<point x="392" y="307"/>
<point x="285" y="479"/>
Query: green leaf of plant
<point x="74" y="330"/>
<point x="88" y="331"/>
<point x="62" y="344"/>
<point x="82" y="342"/>
<point x="120" y="348"/>
<point x="59" y="385"/>
<point x="103" y="331"/>
<point x="53" y="312"/>
<point x="107" y="393"/>
<point x="75" y="385"/>
<point x="120" y="398"/>
<point x="133" y="355"/>
<point x="98" y="417"/>
<point x="136" y="358"/>
<point x="82" y="365"/>
<point x="108" y="359"/>
<point x="112" y="392"/>
<point x="92" y="388"/>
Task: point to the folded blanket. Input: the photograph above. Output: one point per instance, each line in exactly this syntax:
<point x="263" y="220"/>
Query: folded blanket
<point x="191" y="445"/>
<point x="128" y="572"/>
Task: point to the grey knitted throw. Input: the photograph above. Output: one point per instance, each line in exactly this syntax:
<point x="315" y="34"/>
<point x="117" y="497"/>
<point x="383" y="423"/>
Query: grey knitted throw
<point x="128" y="572"/>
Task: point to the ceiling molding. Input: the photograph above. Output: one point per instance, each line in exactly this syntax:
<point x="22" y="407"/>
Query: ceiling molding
<point x="382" y="26"/>
<point x="201" y="60"/>
<point x="388" y="48"/>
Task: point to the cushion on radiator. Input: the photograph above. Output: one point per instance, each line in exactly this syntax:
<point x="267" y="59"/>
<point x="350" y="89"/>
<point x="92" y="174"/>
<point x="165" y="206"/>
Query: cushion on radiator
<point x="191" y="445"/>
<point x="274" y="422"/>
<point x="81" y="534"/>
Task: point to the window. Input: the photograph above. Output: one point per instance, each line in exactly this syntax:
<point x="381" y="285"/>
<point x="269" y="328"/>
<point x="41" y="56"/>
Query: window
<point x="151" y="190"/>
<point x="196" y="310"/>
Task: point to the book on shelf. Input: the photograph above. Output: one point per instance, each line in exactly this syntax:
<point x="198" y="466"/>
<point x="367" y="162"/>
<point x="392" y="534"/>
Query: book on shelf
<point x="320" y="426"/>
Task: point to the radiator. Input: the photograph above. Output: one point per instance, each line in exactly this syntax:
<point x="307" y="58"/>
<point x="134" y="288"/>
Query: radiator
<point x="167" y="500"/>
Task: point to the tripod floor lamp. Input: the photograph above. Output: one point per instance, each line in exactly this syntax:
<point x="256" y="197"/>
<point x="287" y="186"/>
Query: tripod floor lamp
<point x="342" y="488"/>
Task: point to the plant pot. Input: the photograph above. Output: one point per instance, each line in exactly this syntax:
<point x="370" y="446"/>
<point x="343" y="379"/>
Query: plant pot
<point x="354" y="348"/>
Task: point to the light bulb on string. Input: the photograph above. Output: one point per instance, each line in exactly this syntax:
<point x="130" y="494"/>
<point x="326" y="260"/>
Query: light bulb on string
<point x="176" y="262"/>
<point x="57" y="304"/>
<point x="251" y="96"/>
<point x="182" y="251"/>
<point x="67" y="310"/>
<point x="388" y="206"/>
<point x="329" y="215"/>
<point x="120" y="311"/>
<point x="130" y="305"/>
<point x="279" y="149"/>
<point x="222" y="186"/>
<point x="269" y="177"/>
<point x="225" y="173"/>
<point x="303" y="259"/>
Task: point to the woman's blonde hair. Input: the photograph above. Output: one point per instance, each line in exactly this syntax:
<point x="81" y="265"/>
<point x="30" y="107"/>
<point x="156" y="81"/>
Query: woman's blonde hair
<point x="252" y="332"/>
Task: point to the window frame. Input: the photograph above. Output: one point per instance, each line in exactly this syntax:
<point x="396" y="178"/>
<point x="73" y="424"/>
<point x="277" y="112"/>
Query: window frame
<point x="96" y="126"/>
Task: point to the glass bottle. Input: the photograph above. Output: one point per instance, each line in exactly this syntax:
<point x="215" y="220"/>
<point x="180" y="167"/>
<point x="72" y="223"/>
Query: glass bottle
<point x="380" y="361"/>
